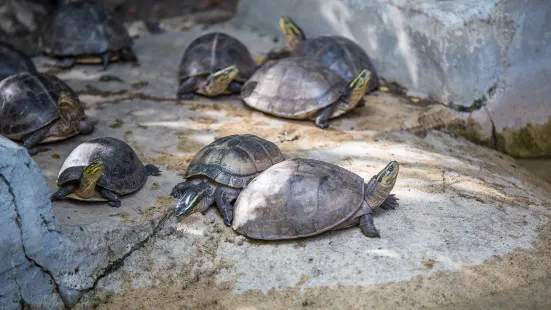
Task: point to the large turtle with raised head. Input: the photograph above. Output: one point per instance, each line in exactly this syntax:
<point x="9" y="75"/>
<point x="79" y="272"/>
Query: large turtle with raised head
<point x="340" y="54"/>
<point x="299" y="88"/>
<point x="13" y="61"/>
<point x="219" y="171"/>
<point x="214" y="64"/>
<point x="304" y="197"/>
<point x="102" y="169"/>
<point x="40" y="108"/>
<point x="84" y="32"/>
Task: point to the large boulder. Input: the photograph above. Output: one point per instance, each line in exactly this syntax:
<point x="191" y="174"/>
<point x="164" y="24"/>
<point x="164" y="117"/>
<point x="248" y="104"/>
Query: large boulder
<point x="486" y="58"/>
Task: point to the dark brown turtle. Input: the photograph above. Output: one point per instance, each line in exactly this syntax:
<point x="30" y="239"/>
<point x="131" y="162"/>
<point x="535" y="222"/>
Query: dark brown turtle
<point x="304" y="197"/>
<point x="299" y="88"/>
<point x="214" y="64"/>
<point x="102" y="169"/>
<point x="219" y="172"/>
<point x="83" y="32"/>
<point x="13" y="60"/>
<point x="340" y="54"/>
<point x="39" y="108"/>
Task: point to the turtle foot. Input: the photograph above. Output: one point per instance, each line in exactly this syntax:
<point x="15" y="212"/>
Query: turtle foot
<point x="152" y="170"/>
<point x="179" y="189"/>
<point x="114" y="204"/>
<point x="390" y="203"/>
<point x="65" y="63"/>
<point x="185" y="96"/>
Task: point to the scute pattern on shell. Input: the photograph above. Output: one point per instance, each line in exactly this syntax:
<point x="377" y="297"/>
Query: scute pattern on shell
<point x="215" y="51"/>
<point x="28" y="102"/>
<point x="83" y="28"/>
<point x="13" y="61"/>
<point x="339" y="54"/>
<point x="234" y="160"/>
<point x="293" y="87"/>
<point x="297" y="198"/>
<point x="124" y="172"/>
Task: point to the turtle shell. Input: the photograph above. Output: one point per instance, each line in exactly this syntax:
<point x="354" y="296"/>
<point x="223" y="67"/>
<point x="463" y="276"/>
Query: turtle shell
<point x="83" y="28"/>
<point x="13" y="61"/>
<point x="124" y="172"/>
<point x="29" y="102"/>
<point x="297" y="198"/>
<point x="234" y="160"/>
<point x="342" y="55"/>
<point x="293" y="87"/>
<point x="215" y="51"/>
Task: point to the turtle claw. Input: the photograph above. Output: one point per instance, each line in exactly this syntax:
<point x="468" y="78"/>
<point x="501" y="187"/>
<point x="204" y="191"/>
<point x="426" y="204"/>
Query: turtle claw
<point x="390" y="203"/>
<point x="152" y="170"/>
<point x="114" y="204"/>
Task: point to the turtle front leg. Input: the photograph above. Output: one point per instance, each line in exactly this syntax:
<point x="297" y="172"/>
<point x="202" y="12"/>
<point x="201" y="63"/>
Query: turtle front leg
<point x="62" y="192"/>
<point x="390" y="203"/>
<point x="322" y="120"/>
<point x="65" y="63"/>
<point x="152" y="170"/>
<point x="35" y="138"/>
<point x="361" y="103"/>
<point x="223" y="196"/>
<point x="112" y="198"/>
<point x="127" y="54"/>
<point x="367" y="226"/>
<point x="185" y="92"/>
<point x="235" y="87"/>
<point x="105" y="58"/>
<point x="179" y="189"/>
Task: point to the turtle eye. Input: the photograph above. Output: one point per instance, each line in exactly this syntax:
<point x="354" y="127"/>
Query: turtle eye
<point x="391" y="168"/>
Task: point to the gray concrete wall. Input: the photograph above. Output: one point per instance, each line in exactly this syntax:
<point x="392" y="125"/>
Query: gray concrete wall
<point x="497" y="52"/>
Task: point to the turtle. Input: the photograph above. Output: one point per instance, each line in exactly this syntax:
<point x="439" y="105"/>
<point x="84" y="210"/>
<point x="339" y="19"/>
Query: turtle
<point x="299" y="88"/>
<point x="40" y="108"/>
<point x="338" y="53"/>
<point x="214" y="64"/>
<point x="303" y="197"/>
<point x="102" y="169"/>
<point x="84" y="32"/>
<point x="219" y="171"/>
<point x="13" y="60"/>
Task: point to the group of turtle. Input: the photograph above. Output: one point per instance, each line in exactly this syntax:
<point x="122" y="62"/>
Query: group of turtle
<point x="275" y="198"/>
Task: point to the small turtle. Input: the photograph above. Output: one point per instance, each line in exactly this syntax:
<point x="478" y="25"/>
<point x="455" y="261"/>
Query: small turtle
<point x="304" y="197"/>
<point x="13" y="61"/>
<point x="219" y="172"/>
<point x="39" y="108"/>
<point x="299" y="88"/>
<point x="214" y="64"/>
<point x="337" y="53"/>
<point x="102" y="169"/>
<point x="83" y="32"/>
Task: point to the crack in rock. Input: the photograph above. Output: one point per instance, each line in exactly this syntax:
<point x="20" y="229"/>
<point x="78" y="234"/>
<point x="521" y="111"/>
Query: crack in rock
<point x="120" y="261"/>
<point x="44" y="270"/>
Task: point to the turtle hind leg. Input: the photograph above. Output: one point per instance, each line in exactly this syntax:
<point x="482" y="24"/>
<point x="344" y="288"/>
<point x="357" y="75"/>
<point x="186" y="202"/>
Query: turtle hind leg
<point x="179" y="189"/>
<point x="390" y="203"/>
<point x="112" y="198"/>
<point x="152" y="170"/>
<point x="235" y="87"/>
<point x="185" y="92"/>
<point x="322" y="120"/>
<point x="62" y="192"/>
<point x="65" y="63"/>
<point x="223" y="196"/>
<point x="368" y="226"/>
<point x="35" y="138"/>
<point x="105" y="59"/>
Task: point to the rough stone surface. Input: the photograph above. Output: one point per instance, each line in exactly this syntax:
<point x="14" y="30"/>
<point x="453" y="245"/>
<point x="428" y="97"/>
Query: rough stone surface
<point x="462" y="53"/>
<point x="472" y="226"/>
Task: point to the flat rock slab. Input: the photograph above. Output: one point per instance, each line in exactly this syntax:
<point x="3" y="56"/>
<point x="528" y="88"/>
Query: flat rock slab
<point x="470" y="223"/>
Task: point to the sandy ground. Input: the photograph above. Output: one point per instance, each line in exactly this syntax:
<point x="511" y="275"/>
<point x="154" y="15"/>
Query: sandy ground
<point x="472" y="229"/>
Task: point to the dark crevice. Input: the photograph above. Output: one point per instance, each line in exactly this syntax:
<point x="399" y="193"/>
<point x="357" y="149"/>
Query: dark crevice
<point x="494" y="131"/>
<point x="120" y="261"/>
<point x="18" y="222"/>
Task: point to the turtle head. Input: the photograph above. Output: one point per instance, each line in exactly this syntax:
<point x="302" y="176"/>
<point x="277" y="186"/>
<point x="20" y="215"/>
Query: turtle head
<point x="196" y="198"/>
<point x="218" y="82"/>
<point x="93" y="172"/>
<point x="380" y="186"/>
<point x="66" y="98"/>
<point x="358" y="86"/>
<point x="292" y="33"/>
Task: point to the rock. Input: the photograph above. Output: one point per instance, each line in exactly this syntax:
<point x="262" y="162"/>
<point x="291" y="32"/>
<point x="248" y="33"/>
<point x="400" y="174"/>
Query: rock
<point x="486" y="58"/>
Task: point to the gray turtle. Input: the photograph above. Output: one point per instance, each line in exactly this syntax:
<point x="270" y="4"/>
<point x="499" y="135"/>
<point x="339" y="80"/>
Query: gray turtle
<point x="304" y="197"/>
<point x="13" y="60"/>
<point x="219" y="171"/>
<point x="102" y="169"/>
